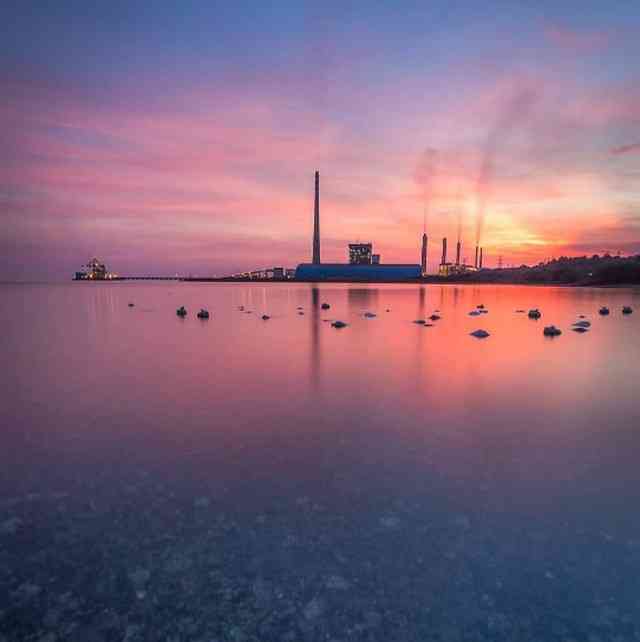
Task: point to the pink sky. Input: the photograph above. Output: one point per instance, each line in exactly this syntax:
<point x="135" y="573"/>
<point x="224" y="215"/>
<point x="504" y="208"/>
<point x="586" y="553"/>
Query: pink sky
<point x="210" y="178"/>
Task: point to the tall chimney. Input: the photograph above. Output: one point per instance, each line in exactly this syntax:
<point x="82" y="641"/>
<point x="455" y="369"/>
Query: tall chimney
<point x="480" y="266"/>
<point x="316" y="223"/>
<point x="475" y="264"/>
<point x="423" y="261"/>
<point x="444" y="250"/>
<point x="458" y="253"/>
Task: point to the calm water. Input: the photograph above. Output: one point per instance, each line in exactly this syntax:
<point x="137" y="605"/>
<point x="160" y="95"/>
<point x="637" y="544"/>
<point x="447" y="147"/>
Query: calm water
<point x="241" y="480"/>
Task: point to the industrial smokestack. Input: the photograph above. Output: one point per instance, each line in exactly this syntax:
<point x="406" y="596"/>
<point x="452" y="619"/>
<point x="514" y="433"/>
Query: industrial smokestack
<point x="475" y="263"/>
<point x="480" y="266"/>
<point x="316" y="223"/>
<point x="444" y="250"/>
<point x="458" y="253"/>
<point x="423" y="261"/>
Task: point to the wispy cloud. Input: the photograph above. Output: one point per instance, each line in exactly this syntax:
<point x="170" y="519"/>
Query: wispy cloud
<point x="626" y="149"/>
<point x="577" y="41"/>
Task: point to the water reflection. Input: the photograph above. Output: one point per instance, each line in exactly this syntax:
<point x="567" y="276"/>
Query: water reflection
<point x="362" y="299"/>
<point x="384" y="479"/>
<point x="314" y="318"/>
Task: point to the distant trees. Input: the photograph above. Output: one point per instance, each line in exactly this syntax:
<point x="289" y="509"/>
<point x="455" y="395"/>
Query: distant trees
<point x="581" y="270"/>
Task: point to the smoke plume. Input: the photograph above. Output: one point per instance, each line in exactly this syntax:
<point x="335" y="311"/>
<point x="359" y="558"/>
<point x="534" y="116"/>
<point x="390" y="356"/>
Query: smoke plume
<point x="424" y="177"/>
<point x="626" y="149"/>
<point x="515" y="112"/>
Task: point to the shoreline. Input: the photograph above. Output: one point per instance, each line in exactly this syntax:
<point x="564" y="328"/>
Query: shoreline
<point x="425" y="281"/>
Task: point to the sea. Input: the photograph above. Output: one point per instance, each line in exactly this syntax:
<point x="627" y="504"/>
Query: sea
<point x="251" y="479"/>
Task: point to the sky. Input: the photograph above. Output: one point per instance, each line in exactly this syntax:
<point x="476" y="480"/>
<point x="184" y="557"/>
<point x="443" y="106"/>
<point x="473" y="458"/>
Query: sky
<point x="183" y="137"/>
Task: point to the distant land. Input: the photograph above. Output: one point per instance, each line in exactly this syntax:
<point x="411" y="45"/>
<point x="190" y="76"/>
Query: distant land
<point x="579" y="271"/>
<point x="582" y="270"/>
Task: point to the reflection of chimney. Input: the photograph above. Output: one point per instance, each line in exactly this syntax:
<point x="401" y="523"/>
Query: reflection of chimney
<point x="444" y="250"/>
<point x="316" y="222"/>
<point x="480" y="265"/>
<point x="423" y="261"/>
<point x="475" y="264"/>
<point x="458" y="253"/>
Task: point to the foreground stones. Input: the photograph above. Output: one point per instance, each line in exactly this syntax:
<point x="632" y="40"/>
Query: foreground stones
<point x="551" y="331"/>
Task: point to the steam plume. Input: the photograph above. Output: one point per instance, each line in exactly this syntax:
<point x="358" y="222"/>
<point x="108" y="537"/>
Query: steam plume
<point x="424" y="177"/>
<point x="515" y="111"/>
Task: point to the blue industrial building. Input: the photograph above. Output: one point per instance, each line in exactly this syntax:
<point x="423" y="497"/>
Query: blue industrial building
<point x="389" y="272"/>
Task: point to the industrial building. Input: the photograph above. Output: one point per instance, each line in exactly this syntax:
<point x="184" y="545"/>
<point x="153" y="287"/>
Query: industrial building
<point x="386" y="272"/>
<point x="360" y="253"/>
<point x="363" y="264"/>
<point x="459" y="267"/>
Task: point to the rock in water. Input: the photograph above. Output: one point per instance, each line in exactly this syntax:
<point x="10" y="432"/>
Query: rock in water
<point x="551" y="331"/>
<point x="314" y="609"/>
<point x="11" y="526"/>
<point x="337" y="583"/>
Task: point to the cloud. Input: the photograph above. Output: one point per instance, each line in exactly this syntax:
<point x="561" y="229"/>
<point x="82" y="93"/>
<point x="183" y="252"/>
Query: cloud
<point x="626" y="149"/>
<point x="575" y="41"/>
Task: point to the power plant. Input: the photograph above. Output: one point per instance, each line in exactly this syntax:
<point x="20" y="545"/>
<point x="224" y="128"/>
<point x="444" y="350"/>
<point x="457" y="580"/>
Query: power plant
<point x="364" y="265"/>
<point x="423" y="261"/>
<point x="316" y="223"/>
<point x="459" y="267"/>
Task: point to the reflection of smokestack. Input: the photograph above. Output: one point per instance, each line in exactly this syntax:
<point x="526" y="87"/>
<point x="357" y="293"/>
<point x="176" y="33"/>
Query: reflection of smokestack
<point x="423" y="258"/>
<point x="316" y="222"/>
<point x="458" y="253"/>
<point x="444" y="250"/>
<point x="480" y="265"/>
<point x="475" y="263"/>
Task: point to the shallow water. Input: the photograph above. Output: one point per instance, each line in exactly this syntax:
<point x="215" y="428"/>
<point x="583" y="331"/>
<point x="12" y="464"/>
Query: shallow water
<point x="240" y="479"/>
